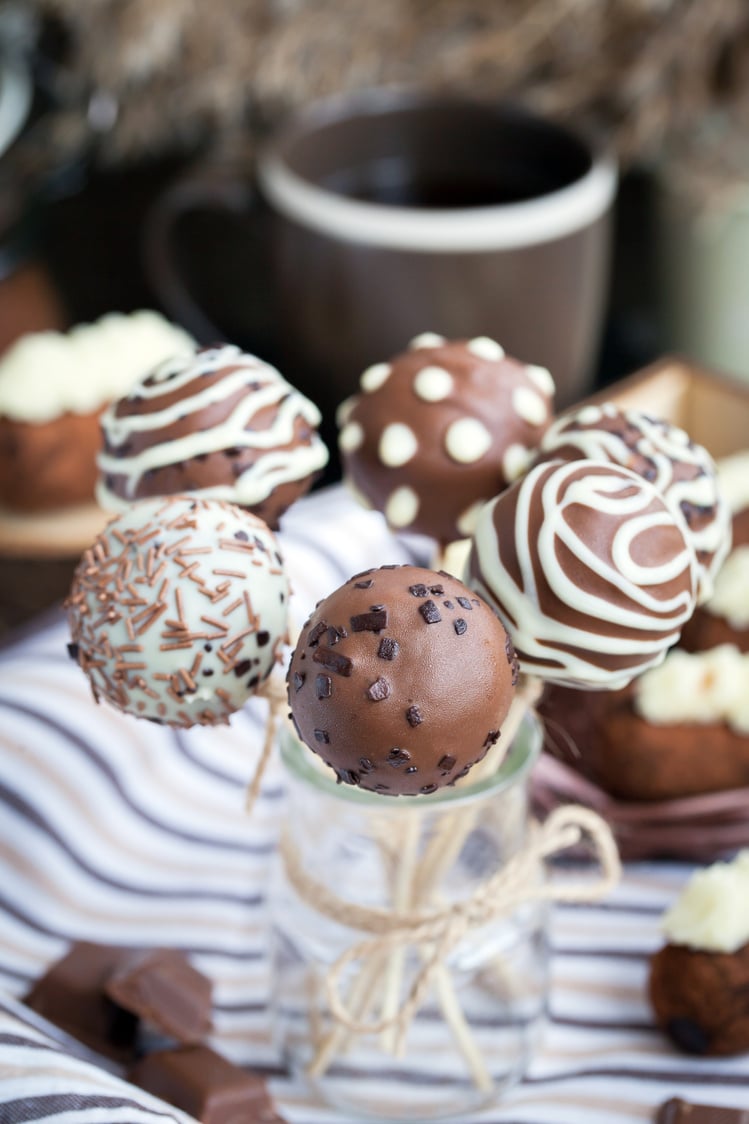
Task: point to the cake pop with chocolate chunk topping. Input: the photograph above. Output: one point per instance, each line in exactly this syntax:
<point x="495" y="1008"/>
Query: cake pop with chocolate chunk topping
<point x="401" y="679"/>
<point x="441" y="429"/>
<point x="220" y="422"/>
<point x="682" y="471"/>
<point x="589" y="570"/>
<point x="178" y="610"/>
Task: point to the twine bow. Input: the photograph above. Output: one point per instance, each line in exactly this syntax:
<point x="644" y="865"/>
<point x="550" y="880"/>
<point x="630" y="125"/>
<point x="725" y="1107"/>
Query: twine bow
<point x="274" y="691"/>
<point x="438" y="932"/>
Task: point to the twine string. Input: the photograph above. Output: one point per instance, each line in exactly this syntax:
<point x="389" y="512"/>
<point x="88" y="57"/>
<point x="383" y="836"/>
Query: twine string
<point x="274" y="691"/>
<point x="438" y="932"/>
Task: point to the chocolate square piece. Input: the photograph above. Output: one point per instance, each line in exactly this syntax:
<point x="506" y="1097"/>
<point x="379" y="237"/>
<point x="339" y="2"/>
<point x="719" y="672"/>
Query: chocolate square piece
<point x="71" y="995"/>
<point x="205" y="1085"/>
<point x="163" y="988"/>
<point x="678" y="1111"/>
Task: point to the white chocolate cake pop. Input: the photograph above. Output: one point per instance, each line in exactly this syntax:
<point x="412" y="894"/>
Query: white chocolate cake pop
<point x="682" y="471"/>
<point x="589" y="570"/>
<point x="178" y="610"/>
<point x="219" y="422"/>
<point x="440" y="429"/>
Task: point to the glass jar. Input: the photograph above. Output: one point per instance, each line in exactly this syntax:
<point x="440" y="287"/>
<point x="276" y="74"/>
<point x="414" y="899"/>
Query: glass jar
<point x="475" y="1022"/>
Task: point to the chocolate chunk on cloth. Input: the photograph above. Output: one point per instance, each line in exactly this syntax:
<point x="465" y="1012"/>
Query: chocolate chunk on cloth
<point x="207" y="1086"/>
<point x="678" y="1111"/>
<point x="163" y="988"/>
<point x="71" y="995"/>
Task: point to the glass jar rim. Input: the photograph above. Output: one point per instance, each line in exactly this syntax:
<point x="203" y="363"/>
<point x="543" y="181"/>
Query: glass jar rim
<point x="517" y="762"/>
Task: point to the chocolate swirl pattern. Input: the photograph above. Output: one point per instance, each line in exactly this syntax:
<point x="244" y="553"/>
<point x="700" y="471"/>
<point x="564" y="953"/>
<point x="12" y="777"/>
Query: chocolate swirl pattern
<point x="221" y="422"/>
<point x="588" y="569"/>
<point x="682" y="471"/>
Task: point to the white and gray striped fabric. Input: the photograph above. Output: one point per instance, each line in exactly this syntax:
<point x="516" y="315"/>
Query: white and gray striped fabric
<point x="123" y="832"/>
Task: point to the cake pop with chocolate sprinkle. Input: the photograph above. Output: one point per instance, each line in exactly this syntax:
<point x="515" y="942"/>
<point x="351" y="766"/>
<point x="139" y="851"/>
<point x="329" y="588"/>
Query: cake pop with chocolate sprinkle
<point x="441" y="429"/>
<point x="682" y="471"/>
<point x="219" y="422"/>
<point x="589" y="570"/>
<point x="401" y="680"/>
<point x="178" y="611"/>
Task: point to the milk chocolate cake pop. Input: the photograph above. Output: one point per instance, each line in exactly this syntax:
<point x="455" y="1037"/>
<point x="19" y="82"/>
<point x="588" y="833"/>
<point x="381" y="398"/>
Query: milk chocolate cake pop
<point x="401" y="679"/>
<point x="219" y="422"/>
<point x="178" y="611"/>
<point x="589" y="570"/>
<point x="441" y="429"/>
<point x="682" y="471"/>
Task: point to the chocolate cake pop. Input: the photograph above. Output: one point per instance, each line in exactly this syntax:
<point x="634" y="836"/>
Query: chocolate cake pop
<point x="682" y="471"/>
<point x="589" y="570"/>
<point x="401" y="679"/>
<point x="441" y="429"/>
<point x="178" y="611"/>
<point x="219" y="422"/>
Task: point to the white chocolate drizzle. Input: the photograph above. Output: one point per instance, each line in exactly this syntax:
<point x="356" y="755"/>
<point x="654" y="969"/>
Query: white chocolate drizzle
<point x="697" y="687"/>
<point x="711" y="914"/>
<point x="264" y="386"/>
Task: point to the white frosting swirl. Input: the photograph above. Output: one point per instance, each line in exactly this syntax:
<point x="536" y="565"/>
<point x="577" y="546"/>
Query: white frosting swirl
<point x="697" y="687"/>
<point x="712" y="912"/>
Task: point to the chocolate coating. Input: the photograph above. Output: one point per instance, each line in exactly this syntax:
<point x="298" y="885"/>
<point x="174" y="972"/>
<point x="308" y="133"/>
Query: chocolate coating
<point x="441" y="429"/>
<point x="588" y="569"/>
<point x="401" y="679"/>
<point x="219" y="422"/>
<point x="701" y="999"/>
<point x="682" y="471"/>
<point x="178" y="611"/>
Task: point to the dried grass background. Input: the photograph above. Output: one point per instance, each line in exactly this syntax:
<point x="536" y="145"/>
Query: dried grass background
<point x="183" y="71"/>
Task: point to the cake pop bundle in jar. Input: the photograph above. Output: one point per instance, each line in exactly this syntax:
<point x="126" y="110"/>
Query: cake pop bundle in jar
<point x="440" y="429"/>
<point x="589" y="569"/>
<point x="682" y="471"/>
<point x="219" y="422"/>
<point x="178" y="610"/>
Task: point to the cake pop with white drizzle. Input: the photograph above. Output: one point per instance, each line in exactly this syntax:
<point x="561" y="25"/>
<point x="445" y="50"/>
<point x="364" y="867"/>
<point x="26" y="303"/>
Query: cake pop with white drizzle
<point x="220" y="422"/>
<point x="440" y="429"/>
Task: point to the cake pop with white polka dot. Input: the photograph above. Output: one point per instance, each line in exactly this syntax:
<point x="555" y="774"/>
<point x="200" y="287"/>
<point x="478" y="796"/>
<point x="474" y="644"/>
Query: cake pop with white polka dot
<point x="440" y="429"/>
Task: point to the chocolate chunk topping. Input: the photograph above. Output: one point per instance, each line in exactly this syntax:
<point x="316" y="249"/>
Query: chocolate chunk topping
<point x="364" y="584"/>
<point x="242" y="536"/>
<point x="448" y="604"/>
<point x="398" y="757"/>
<point x="262" y="638"/>
<point x="366" y="765"/>
<point x="419" y="590"/>
<point x="347" y="776"/>
<point x="388" y="648"/>
<point x="460" y="626"/>
<point x="324" y="686"/>
<point x="491" y="738"/>
<point x="437" y="590"/>
<point x="414" y="717"/>
<point x="334" y="661"/>
<point x="379" y="690"/>
<point x="73" y="651"/>
<point x="430" y="612"/>
<point x="314" y="636"/>
<point x="335" y="634"/>
<point x="373" y="621"/>
<point x="428" y="788"/>
<point x="411" y="770"/>
<point x="447" y="762"/>
<point x="242" y="668"/>
<point x="322" y="736"/>
<point x="464" y="603"/>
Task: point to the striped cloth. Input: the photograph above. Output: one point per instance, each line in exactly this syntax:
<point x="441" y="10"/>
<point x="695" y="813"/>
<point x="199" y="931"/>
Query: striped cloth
<point x="123" y="832"/>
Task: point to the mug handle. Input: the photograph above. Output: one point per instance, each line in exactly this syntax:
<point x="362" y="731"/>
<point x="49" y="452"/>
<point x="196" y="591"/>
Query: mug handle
<point x="209" y="188"/>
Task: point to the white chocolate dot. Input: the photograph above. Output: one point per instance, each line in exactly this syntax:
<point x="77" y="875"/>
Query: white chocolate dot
<point x="397" y="444"/>
<point x="427" y="339"/>
<point x="529" y="405"/>
<point x="467" y="440"/>
<point x="374" y="376"/>
<point x="466" y="522"/>
<point x="432" y="384"/>
<point x="542" y="378"/>
<point x="515" y="461"/>
<point x="402" y="507"/>
<point x="486" y="348"/>
<point x="343" y="410"/>
<point x="589" y="415"/>
<point x="350" y="438"/>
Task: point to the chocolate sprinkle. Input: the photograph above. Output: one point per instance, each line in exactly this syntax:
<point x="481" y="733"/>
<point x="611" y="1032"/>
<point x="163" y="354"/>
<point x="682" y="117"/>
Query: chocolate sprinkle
<point x="418" y="590"/>
<point x="430" y="612"/>
<point x="314" y="636"/>
<point x="464" y="603"/>
<point x="491" y="738"/>
<point x="364" y="585"/>
<point x="299" y="680"/>
<point x="366" y="765"/>
<point x="324" y="686"/>
<point x="428" y="788"/>
<point x="397" y="757"/>
<point x="447" y="762"/>
<point x="411" y="770"/>
<point x="414" y="717"/>
<point x="347" y="776"/>
<point x="460" y="626"/>
<point x="334" y="661"/>
<point x="379" y="690"/>
<point x="373" y="621"/>
<point x="322" y="736"/>
<point x="437" y="590"/>
<point x="388" y="648"/>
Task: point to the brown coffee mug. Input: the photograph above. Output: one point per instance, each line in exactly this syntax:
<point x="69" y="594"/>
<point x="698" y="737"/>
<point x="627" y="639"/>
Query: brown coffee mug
<point x="390" y="214"/>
